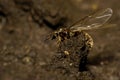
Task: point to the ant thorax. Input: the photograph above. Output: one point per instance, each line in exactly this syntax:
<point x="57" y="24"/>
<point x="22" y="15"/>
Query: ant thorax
<point x="65" y="33"/>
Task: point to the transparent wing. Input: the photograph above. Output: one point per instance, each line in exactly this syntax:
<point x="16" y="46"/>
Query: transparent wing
<point x="93" y="21"/>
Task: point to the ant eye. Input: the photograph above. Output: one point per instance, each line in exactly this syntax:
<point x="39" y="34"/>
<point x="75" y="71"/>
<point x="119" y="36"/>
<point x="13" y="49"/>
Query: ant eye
<point x="53" y="37"/>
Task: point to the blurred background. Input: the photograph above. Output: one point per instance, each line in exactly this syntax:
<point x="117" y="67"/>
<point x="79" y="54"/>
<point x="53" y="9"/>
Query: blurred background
<point x="24" y="24"/>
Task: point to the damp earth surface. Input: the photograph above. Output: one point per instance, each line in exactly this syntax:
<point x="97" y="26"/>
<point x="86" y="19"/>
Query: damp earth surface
<point x="25" y="54"/>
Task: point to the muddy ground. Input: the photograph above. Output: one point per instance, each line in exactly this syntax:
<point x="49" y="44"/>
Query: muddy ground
<point x="25" y="55"/>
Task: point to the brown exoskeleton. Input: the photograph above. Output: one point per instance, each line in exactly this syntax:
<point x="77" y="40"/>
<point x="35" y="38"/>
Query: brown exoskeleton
<point x="75" y="44"/>
<point x="93" y="21"/>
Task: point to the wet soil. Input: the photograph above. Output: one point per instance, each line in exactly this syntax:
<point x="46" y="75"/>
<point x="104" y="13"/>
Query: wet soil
<point x="25" y="55"/>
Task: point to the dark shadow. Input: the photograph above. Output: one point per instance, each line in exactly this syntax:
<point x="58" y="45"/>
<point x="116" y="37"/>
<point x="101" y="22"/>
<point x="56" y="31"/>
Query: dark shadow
<point x="57" y="25"/>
